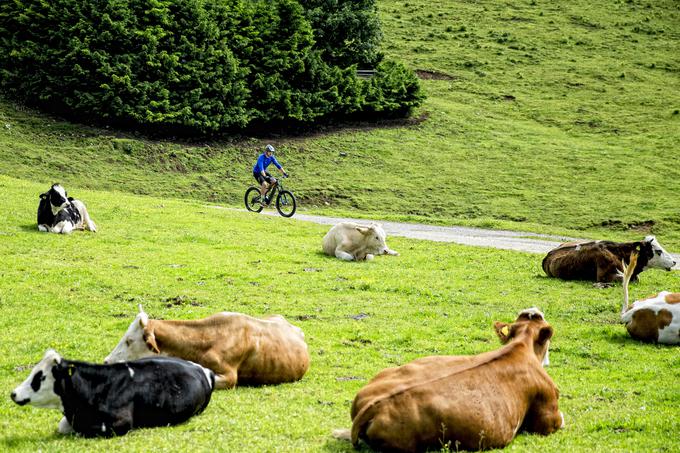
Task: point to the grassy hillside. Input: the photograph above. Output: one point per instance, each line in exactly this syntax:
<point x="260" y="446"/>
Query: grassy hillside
<point x="549" y="116"/>
<point x="186" y="259"/>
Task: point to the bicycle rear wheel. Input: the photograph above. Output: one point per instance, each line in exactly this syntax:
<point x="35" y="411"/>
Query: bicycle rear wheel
<point x="252" y="199"/>
<point x="285" y="203"/>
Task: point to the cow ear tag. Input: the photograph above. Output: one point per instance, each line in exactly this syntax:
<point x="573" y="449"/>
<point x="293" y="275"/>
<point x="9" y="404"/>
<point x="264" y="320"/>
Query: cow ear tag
<point x="505" y="331"/>
<point x="70" y="371"/>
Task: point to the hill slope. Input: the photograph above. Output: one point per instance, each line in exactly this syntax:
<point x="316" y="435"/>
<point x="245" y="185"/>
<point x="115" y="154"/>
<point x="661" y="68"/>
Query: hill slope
<point x="553" y="117"/>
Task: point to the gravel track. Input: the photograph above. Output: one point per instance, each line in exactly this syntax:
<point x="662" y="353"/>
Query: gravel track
<point x="480" y="237"/>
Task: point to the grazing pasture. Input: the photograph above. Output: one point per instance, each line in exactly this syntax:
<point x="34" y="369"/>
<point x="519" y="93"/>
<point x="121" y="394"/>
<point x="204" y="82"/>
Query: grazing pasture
<point x="188" y="259"/>
<point x="553" y="117"/>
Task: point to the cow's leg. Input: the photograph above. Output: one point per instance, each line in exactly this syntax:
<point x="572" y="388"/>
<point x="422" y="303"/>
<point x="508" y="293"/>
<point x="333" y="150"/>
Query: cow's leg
<point x="343" y="255"/>
<point x="64" y="426"/>
<point x="43" y="228"/>
<point x="226" y="380"/>
<point x="64" y="227"/>
<point x="391" y="252"/>
<point x="369" y="257"/>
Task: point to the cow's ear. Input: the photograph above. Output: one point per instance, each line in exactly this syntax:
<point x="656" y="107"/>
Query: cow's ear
<point x="544" y="334"/>
<point x="502" y="330"/>
<point x="43" y="196"/>
<point x="150" y="340"/>
<point x="53" y="356"/>
<point x="363" y="230"/>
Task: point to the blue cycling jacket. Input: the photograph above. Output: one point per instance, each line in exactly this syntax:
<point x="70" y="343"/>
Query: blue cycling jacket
<point x="263" y="162"/>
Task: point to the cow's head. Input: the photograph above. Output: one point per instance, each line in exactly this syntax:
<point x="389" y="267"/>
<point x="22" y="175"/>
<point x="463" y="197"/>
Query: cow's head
<point x="38" y="389"/>
<point x="656" y="255"/>
<point x="137" y="342"/>
<point x="57" y="198"/>
<point x="374" y="239"/>
<point x="530" y="323"/>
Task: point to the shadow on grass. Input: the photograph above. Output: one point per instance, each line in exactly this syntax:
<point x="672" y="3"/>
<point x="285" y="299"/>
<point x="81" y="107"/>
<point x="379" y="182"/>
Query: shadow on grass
<point x="33" y="227"/>
<point x="20" y="441"/>
<point x="336" y="445"/>
<point x="622" y="338"/>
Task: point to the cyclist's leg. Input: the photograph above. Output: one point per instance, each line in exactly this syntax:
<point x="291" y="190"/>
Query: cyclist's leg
<point x="271" y="183"/>
<point x="262" y="181"/>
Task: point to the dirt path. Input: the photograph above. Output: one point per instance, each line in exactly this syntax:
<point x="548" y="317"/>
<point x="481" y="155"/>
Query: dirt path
<point x="499" y="239"/>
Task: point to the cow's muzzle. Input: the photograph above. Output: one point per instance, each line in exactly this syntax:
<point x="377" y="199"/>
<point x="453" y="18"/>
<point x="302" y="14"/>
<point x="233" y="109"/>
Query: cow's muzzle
<point x="19" y="402"/>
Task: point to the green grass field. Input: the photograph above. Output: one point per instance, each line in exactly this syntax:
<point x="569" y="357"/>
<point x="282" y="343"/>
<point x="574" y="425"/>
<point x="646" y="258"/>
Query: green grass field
<point x="553" y="117"/>
<point x="188" y="260"/>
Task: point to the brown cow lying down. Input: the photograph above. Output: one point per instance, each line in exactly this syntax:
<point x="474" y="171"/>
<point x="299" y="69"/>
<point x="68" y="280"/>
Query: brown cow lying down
<point x="468" y="402"/>
<point x="353" y="242"/>
<point x="238" y="348"/>
<point x="600" y="261"/>
<point x="655" y="319"/>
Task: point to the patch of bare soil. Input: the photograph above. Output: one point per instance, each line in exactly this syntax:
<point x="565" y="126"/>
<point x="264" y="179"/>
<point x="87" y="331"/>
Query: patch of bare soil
<point x="642" y="226"/>
<point x="426" y="74"/>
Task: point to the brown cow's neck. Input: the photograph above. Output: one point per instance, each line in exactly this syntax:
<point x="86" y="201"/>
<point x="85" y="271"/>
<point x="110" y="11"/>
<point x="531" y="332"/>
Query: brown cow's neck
<point x="177" y="337"/>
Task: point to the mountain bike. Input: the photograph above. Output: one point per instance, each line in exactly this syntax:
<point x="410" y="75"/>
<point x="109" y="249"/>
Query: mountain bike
<point x="285" y="200"/>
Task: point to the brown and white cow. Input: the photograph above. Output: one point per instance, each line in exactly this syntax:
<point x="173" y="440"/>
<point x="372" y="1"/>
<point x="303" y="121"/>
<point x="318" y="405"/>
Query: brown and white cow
<point x="600" y="261"/>
<point x="353" y="242"/>
<point x="237" y="347"/>
<point x="655" y="319"/>
<point x="465" y="402"/>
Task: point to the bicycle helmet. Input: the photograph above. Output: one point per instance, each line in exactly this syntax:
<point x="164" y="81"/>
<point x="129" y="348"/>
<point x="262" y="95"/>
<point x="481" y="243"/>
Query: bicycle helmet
<point x="269" y="149"/>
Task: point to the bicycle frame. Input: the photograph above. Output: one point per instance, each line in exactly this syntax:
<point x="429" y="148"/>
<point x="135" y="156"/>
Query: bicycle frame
<point x="273" y="190"/>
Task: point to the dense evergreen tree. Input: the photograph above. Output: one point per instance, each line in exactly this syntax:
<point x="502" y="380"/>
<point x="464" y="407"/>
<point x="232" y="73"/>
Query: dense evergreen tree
<point x="346" y="31"/>
<point x="199" y="65"/>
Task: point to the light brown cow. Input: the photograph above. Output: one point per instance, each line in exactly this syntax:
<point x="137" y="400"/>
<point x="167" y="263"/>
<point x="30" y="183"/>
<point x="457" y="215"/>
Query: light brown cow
<point x="655" y="319"/>
<point x="465" y="402"/>
<point x="353" y="242"/>
<point x="237" y="347"/>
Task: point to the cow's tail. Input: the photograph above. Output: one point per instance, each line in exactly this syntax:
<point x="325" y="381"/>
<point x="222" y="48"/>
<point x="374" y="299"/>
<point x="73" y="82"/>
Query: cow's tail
<point x="87" y="221"/>
<point x="627" y="274"/>
<point x="343" y="434"/>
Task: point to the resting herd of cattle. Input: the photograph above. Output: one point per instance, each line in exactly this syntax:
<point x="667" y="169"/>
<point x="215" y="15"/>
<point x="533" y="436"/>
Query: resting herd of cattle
<point x="164" y="372"/>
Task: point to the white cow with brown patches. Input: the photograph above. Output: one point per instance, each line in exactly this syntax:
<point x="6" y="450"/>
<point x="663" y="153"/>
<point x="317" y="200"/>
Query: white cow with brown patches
<point x="655" y="319"/>
<point x="237" y="347"/>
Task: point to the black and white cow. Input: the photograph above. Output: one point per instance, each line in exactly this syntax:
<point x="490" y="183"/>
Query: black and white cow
<point x="106" y="400"/>
<point x="59" y="213"/>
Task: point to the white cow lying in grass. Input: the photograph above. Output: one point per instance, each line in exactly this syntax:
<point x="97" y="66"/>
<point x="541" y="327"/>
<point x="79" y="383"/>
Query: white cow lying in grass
<point x="353" y="242"/>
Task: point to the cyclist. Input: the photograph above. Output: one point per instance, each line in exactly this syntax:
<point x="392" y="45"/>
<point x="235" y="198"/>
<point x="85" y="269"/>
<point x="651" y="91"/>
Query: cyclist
<point x="262" y="175"/>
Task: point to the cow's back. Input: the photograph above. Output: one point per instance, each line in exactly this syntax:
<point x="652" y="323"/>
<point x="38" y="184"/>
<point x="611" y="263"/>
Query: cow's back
<point x="344" y="232"/>
<point x="655" y="319"/>
<point x="438" y="399"/>
<point x="279" y="353"/>
<point x="573" y="261"/>
<point x="264" y="351"/>
<point x="112" y="399"/>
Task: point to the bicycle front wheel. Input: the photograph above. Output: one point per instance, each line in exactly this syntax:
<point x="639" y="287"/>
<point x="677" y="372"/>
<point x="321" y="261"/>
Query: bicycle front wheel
<point x="285" y="203"/>
<point x="252" y="199"/>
